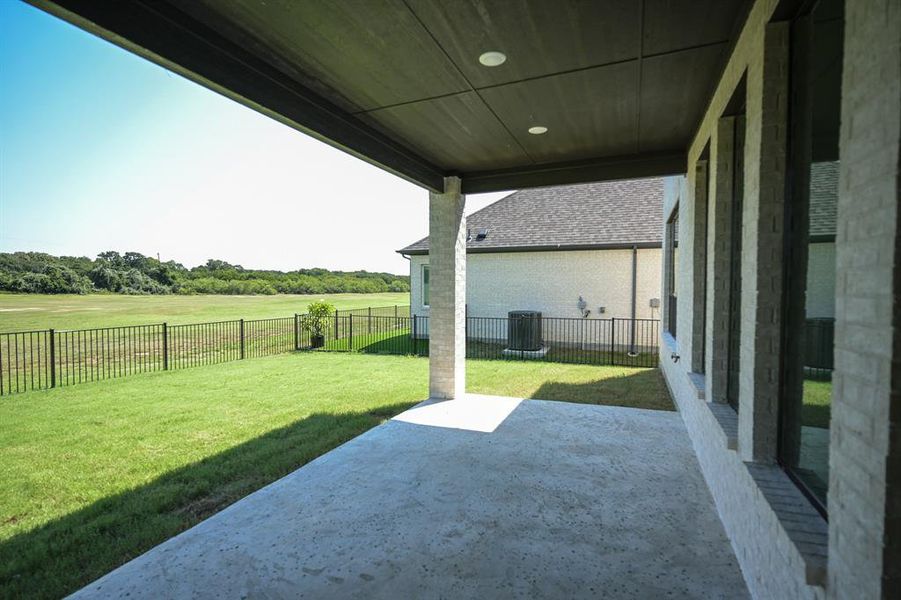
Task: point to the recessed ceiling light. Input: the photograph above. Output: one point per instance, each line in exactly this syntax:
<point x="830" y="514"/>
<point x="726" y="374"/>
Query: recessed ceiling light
<point x="537" y="130"/>
<point x="493" y="59"/>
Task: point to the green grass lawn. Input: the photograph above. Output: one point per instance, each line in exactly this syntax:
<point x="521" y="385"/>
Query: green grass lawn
<point x="19" y="312"/>
<point x="94" y="475"/>
<point x="817" y="403"/>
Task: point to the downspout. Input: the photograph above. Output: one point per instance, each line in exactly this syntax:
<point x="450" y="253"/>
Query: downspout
<point x="634" y="294"/>
<point x="410" y="271"/>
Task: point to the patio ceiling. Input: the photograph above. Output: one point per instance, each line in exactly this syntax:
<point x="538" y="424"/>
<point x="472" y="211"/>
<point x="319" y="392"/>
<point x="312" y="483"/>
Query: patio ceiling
<point x="620" y="84"/>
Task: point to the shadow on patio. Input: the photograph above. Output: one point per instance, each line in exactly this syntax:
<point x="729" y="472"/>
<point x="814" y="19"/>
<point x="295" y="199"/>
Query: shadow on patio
<point x="492" y="497"/>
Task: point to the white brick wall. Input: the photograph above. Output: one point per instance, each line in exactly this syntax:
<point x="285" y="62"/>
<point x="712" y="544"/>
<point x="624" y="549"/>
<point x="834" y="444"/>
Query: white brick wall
<point x="551" y="282"/>
<point x="865" y="443"/>
<point x="762" y="246"/>
<point x="776" y="535"/>
<point x="771" y="561"/>
<point x="821" y="281"/>
<point x="447" y="345"/>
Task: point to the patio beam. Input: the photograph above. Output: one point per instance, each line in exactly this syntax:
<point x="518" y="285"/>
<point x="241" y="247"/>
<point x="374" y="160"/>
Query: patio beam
<point x="565" y="173"/>
<point x="447" y="278"/>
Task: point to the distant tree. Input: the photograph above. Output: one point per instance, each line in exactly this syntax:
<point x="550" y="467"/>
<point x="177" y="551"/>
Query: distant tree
<point x="135" y="273"/>
<point x="53" y="279"/>
<point x="111" y="258"/>
<point x="221" y="265"/>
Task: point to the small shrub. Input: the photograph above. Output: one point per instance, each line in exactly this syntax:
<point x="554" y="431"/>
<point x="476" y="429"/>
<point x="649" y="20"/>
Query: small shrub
<point x="318" y="316"/>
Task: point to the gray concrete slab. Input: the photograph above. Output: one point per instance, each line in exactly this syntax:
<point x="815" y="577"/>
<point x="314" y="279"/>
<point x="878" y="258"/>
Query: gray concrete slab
<point x="482" y="498"/>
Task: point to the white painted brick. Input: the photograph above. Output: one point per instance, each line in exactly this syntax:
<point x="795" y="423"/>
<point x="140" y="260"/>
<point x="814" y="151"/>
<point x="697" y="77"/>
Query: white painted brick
<point x="551" y="282"/>
<point x="447" y="280"/>
<point x="770" y="560"/>
<point x="864" y="551"/>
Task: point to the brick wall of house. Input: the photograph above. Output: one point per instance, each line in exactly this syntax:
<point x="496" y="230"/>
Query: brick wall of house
<point x="551" y="282"/>
<point x="865" y="444"/>
<point x="785" y="549"/>
<point x="821" y="281"/>
<point x="736" y="451"/>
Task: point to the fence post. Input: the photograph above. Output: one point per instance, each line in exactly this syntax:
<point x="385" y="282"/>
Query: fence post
<point x="336" y="323"/>
<point x="350" y="333"/>
<point x="632" y="338"/>
<point x="369" y="325"/>
<point x="53" y="358"/>
<point x="242" y="339"/>
<point x="296" y="332"/>
<point x="415" y="341"/>
<point x="612" y="336"/>
<point x="465" y="323"/>
<point x="165" y="347"/>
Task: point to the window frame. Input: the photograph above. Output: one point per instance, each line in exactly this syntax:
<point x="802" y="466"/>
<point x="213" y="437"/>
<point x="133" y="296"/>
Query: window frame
<point x="669" y="278"/>
<point x="796" y="256"/>
<point x="425" y="287"/>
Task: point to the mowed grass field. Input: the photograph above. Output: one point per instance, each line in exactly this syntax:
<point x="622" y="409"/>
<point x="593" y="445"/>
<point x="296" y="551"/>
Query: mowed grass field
<point x="98" y="473"/>
<point x="23" y="312"/>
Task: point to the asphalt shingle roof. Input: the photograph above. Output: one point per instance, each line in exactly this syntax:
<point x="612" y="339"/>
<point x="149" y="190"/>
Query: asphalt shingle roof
<point x="606" y="214"/>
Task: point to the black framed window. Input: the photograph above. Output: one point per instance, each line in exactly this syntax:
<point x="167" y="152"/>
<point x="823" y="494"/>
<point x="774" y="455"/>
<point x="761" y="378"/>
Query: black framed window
<point x="805" y="407"/>
<point x="736" y="215"/>
<point x="425" y="285"/>
<point x="670" y="281"/>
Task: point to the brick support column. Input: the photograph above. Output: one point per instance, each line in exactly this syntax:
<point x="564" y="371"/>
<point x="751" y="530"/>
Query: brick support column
<point x="699" y="266"/>
<point x="865" y="442"/>
<point x="719" y="248"/>
<point x="447" y="280"/>
<point x="762" y="247"/>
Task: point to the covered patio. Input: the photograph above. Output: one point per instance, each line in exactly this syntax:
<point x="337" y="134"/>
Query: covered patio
<point x="556" y="500"/>
<point x="483" y="496"/>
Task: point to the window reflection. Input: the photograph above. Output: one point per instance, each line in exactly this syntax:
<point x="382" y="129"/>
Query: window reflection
<point x="811" y="223"/>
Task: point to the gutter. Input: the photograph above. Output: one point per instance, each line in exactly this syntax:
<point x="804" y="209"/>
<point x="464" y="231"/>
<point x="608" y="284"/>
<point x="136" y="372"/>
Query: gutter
<point x="545" y="248"/>
<point x="410" y="271"/>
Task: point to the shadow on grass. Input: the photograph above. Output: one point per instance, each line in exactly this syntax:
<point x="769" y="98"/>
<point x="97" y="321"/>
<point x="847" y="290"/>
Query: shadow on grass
<point x="65" y="554"/>
<point x="643" y="389"/>
<point x="402" y="344"/>
<point x="816" y="415"/>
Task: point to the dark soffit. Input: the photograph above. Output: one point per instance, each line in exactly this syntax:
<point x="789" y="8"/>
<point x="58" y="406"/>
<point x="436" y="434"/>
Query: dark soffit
<point x="620" y="84"/>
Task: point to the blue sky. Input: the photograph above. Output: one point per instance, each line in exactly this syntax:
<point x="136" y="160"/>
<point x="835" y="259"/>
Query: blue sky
<point x="100" y="149"/>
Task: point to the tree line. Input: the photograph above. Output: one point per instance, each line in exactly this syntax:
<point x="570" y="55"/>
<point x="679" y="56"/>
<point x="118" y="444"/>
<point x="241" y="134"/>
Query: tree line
<point x="134" y="273"/>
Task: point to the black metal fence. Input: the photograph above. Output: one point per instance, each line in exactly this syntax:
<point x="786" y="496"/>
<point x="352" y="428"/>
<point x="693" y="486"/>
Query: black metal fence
<point x="624" y="342"/>
<point x="819" y="339"/>
<point x="33" y="360"/>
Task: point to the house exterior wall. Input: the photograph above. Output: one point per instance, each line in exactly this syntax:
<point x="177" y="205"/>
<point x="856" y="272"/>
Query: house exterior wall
<point x="736" y="450"/>
<point x="865" y="442"/>
<point x="821" y="281"/>
<point x="786" y="550"/>
<point x="551" y="282"/>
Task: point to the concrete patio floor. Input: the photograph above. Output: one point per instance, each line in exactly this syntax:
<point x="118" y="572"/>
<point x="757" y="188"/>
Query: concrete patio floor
<point x="483" y="497"/>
